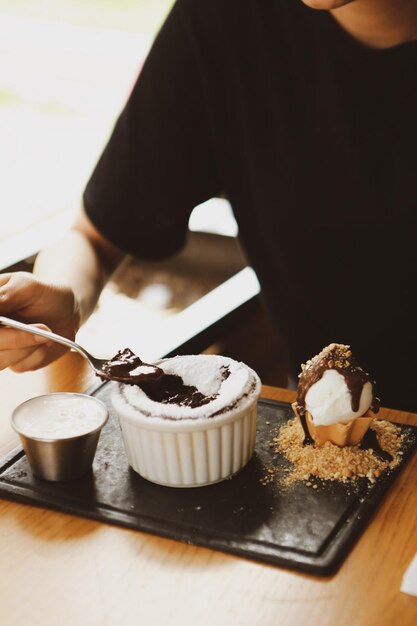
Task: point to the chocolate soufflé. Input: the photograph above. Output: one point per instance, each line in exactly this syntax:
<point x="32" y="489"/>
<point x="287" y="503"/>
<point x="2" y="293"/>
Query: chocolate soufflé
<point x="194" y="425"/>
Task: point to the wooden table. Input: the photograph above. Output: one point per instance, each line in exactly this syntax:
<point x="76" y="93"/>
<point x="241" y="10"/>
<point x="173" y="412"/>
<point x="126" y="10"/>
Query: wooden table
<point x="59" y="569"/>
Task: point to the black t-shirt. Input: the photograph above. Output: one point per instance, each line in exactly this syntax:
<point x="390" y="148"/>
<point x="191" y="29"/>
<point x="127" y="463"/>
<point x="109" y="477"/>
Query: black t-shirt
<point x="313" y="138"/>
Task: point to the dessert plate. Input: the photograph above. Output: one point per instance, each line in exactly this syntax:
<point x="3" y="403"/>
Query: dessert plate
<point x="297" y="527"/>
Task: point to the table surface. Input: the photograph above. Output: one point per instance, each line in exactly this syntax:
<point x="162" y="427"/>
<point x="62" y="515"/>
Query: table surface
<point x="57" y="568"/>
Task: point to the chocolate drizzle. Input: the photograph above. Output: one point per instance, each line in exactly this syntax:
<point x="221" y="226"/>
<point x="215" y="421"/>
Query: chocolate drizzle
<point x="370" y="440"/>
<point x="171" y="389"/>
<point x="127" y="367"/>
<point x="337" y="357"/>
<point x="308" y="439"/>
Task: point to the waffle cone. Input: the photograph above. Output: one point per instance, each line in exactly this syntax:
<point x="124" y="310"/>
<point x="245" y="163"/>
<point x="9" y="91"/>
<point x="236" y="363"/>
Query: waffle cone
<point x="349" y="434"/>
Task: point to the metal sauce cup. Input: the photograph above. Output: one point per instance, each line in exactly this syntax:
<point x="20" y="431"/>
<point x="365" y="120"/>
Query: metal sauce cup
<point x="59" y="433"/>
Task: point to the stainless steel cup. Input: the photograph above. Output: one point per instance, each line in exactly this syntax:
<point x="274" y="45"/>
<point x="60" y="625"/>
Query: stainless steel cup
<point x="60" y="458"/>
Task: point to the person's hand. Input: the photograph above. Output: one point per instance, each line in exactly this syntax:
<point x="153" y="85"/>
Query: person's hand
<point x="26" y="298"/>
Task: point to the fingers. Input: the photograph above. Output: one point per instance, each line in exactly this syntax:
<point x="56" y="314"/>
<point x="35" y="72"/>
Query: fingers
<point x="12" y="339"/>
<point x="37" y="358"/>
<point x="4" y="278"/>
<point x="16" y="290"/>
<point x="25" y="297"/>
<point x="20" y="350"/>
<point x="4" y="281"/>
<point x="8" y="358"/>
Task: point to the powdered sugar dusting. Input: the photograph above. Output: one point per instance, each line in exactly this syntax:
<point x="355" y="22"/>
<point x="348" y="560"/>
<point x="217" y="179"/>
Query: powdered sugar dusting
<point x="206" y="373"/>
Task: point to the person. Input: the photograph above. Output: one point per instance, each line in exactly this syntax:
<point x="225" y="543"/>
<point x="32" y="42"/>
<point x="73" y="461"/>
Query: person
<point x="305" y="120"/>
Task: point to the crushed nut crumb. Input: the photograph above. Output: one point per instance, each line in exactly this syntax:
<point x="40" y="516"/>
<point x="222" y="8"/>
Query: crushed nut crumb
<point x="331" y="462"/>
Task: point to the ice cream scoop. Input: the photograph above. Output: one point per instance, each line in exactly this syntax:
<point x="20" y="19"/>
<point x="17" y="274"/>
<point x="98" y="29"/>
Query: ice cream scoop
<point x="329" y="400"/>
<point x="334" y="392"/>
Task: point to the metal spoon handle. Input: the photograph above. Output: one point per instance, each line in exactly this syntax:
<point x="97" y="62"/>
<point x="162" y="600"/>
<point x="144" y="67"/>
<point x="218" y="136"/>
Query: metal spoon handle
<point x="34" y="330"/>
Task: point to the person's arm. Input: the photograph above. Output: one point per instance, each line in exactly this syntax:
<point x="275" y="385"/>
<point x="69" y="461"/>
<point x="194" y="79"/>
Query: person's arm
<point x="83" y="261"/>
<point x="158" y="164"/>
<point x="61" y="293"/>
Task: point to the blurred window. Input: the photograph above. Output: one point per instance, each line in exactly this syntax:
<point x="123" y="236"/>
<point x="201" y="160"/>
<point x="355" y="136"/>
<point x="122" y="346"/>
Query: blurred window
<point x="66" y="68"/>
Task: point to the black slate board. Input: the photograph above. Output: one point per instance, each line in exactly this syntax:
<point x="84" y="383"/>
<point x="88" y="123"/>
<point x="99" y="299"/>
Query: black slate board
<point x="298" y="527"/>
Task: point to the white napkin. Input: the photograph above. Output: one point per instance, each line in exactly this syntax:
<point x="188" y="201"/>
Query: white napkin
<point x="409" y="583"/>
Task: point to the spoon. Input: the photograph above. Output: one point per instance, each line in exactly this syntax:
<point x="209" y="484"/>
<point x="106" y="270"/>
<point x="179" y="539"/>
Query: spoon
<point x="125" y="366"/>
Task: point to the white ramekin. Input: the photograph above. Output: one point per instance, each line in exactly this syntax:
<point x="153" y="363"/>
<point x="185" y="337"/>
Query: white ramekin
<point x="189" y="452"/>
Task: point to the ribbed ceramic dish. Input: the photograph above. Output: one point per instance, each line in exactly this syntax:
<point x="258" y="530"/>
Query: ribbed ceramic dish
<point x="189" y="452"/>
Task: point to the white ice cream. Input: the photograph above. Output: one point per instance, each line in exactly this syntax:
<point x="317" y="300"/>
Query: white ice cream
<point x="329" y="400"/>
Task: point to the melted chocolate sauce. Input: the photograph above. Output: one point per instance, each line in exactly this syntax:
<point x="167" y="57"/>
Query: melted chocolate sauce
<point x="370" y="440"/>
<point x="339" y="358"/>
<point x="170" y="389"/>
<point x="127" y="367"/>
<point x="308" y="439"/>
